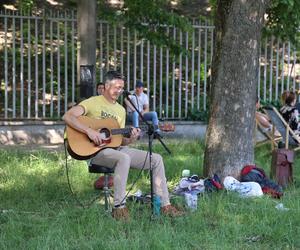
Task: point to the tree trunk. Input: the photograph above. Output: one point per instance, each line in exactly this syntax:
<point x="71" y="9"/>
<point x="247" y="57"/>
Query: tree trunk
<point x="229" y="136"/>
<point x="86" y="23"/>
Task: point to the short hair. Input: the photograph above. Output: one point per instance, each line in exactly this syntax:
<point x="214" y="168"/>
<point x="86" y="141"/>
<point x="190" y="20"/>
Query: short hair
<point x="100" y="83"/>
<point x="112" y="75"/>
<point x="290" y="98"/>
<point x="284" y="95"/>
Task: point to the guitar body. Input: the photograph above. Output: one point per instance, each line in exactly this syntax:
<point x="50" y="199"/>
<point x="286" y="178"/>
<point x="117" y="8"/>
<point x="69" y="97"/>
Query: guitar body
<point x="81" y="147"/>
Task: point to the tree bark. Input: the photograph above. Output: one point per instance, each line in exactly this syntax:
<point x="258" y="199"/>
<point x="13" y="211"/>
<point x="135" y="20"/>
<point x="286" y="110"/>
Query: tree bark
<point x="86" y="23"/>
<point x="229" y="136"/>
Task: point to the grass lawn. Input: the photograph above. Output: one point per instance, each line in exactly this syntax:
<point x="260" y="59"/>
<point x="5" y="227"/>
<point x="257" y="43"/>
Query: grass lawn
<point x="37" y="210"/>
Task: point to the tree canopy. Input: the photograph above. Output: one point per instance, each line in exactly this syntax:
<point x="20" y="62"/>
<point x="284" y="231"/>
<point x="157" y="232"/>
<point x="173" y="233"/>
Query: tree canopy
<point x="282" y="19"/>
<point x="282" y="16"/>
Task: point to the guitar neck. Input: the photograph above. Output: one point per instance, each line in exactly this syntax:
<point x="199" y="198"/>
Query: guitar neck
<point x="120" y="131"/>
<point x="126" y="131"/>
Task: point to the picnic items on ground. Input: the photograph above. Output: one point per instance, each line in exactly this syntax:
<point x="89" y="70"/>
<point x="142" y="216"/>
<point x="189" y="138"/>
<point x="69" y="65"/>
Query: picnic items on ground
<point x="190" y="186"/>
<point x="244" y="189"/>
<point x="256" y="174"/>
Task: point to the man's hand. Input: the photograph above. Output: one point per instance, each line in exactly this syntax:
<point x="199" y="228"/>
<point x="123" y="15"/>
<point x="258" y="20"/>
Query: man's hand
<point x="95" y="136"/>
<point x="135" y="133"/>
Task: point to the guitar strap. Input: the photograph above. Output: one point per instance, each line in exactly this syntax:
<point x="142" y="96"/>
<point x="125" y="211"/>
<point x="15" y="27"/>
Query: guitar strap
<point x="137" y="102"/>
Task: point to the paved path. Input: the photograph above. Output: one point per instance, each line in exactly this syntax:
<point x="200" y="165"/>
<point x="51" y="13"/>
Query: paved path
<point x="34" y="135"/>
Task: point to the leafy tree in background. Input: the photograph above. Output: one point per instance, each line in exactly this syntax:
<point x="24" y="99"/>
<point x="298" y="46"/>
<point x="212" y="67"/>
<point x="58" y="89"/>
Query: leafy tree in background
<point x="239" y="25"/>
<point x="282" y="16"/>
<point x="149" y="19"/>
<point x="282" y="19"/>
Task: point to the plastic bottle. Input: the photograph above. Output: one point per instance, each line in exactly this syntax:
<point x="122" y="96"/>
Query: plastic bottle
<point x="191" y="201"/>
<point x="156" y="205"/>
<point x="186" y="173"/>
<point x="194" y="202"/>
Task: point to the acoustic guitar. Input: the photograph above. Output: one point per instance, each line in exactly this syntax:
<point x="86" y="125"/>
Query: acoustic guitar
<point x="80" y="146"/>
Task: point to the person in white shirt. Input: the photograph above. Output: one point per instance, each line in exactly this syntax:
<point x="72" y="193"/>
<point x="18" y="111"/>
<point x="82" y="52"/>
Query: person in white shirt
<point x="141" y="101"/>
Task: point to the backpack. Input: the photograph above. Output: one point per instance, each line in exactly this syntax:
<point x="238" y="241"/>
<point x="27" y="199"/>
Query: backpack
<point x="253" y="173"/>
<point x="282" y="166"/>
<point x="213" y="184"/>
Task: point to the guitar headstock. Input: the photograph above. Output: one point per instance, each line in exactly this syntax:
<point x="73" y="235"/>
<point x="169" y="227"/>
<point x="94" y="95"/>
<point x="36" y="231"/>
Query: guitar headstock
<point x="167" y="127"/>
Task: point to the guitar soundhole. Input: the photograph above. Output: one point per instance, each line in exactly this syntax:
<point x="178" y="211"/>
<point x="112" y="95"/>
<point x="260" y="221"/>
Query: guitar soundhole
<point x="105" y="132"/>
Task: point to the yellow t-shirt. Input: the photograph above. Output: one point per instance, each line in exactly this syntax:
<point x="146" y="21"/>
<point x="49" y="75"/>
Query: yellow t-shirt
<point x="99" y="108"/>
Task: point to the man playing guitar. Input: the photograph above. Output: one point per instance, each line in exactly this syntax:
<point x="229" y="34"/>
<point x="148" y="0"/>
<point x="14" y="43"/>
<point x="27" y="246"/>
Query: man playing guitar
<point x="121" y="158"/>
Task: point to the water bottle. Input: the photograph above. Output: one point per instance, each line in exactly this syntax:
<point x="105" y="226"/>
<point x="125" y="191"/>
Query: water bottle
<point x="194" y="202"/>
<point x="186" y="173"/>
<point x="156" y="205"/>
<point x="191" y="201"/>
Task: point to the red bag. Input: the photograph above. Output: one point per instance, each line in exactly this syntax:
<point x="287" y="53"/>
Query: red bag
<point x="99" y="183"/>
<point x="282" y="166"/>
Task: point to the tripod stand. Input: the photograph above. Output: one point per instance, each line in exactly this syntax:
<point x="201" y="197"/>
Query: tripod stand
<point x="152" y="134"/>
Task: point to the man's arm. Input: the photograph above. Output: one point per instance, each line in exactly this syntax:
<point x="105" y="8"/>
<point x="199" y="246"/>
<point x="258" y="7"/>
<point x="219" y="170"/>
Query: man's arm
<point x="145" y="108"/>
<point x="128" y="104"/>
<point x="70" y="118"/>
<point x="145" y="103"/>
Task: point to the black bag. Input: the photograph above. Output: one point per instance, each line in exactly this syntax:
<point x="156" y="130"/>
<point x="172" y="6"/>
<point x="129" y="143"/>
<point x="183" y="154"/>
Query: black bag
<point x="213" y="184"/>
<point x="282" y="166"/>
<point x="253" y="173"/>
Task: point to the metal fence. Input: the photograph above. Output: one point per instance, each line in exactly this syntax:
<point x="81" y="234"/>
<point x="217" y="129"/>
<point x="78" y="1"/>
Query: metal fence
<point x="279" y="70"/>
<point x="38" y="67"/>
<point x="38" y="59"/>
<point x="175" y="86"/>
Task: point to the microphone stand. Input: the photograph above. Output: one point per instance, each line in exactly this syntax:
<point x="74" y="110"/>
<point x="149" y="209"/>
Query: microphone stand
<point x="151" y="135"/>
